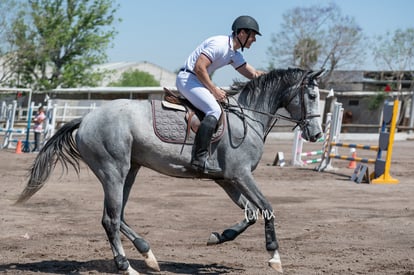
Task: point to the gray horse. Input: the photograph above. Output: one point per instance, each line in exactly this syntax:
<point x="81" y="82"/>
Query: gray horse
<point x="117" y="139"/>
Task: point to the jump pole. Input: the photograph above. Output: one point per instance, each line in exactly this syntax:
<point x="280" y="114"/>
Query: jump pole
<point x="332" y="134"/>
<point x="355" y="146"/>
<point x="297" y="148"/>
<point x="381" y="174"/>
<point x="298" y="154"/>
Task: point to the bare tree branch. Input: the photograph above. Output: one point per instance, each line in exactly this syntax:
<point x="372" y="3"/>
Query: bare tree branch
<point x="317" y="37"/>
<point x="396" y="52"/>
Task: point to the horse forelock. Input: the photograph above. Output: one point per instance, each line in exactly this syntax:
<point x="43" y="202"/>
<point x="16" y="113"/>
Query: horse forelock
<point x="268" y="89"/>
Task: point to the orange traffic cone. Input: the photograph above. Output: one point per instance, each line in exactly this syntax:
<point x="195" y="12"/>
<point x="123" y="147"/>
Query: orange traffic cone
<point x="19" y="147"/>
<point x="352" y="164"/>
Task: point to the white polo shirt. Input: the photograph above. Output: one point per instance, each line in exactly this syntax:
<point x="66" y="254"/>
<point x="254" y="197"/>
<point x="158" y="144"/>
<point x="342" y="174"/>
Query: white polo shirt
<point x="219" y="49"/>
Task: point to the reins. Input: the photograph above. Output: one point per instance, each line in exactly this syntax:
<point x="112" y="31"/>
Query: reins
<point x="274" y="117"/>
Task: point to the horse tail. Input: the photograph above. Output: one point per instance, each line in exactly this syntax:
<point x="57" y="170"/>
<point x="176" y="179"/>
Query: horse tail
<point x="61" y="147"/>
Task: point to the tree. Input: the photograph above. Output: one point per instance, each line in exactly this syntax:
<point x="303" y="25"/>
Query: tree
<point x="135" y="78"/>
<point x="317" y="37"/>
<point x="8" y="11"/>
<point x="59" y="41"/>
<point x="306" y="53"/>
<point x="395" y="51"/>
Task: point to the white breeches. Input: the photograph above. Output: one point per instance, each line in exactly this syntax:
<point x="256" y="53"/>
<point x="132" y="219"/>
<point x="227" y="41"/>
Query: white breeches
<point x="194" y="91"/>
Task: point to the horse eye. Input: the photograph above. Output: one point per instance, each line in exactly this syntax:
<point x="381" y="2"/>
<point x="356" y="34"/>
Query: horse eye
<point x="313" y="93"/>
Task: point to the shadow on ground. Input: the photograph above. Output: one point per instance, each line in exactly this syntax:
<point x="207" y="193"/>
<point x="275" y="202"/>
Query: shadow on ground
<point x="108" y="266"/>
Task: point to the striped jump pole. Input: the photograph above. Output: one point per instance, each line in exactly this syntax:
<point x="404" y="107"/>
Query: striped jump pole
<point x="357" y="146"/>
<point x="334" y="155"/>
<point x="297" y="148"/>
<point x="312" y="153"/>
<point x="357" y="159"/>
<point x="311" y="161"/>
<point x="332" y="135"/>
<point x="297" y="151"/>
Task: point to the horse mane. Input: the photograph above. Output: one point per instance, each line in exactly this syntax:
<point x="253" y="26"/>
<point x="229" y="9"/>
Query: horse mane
<point x="258" y="92"/>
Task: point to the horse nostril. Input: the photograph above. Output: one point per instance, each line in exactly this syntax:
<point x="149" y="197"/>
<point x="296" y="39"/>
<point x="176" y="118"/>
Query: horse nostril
<point x="315" y="137"/>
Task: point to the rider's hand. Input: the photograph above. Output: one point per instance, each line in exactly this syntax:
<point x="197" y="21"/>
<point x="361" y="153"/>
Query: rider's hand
<point x="219" y="94"/>
<point x="259" y="73"/>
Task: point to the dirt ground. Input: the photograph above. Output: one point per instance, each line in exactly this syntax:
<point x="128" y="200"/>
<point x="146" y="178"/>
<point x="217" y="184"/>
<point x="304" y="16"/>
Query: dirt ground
<point x="326" y="224"/>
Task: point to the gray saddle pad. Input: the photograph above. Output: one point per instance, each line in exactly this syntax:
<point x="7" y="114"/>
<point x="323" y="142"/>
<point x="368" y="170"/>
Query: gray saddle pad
<point x="170" y="125"/>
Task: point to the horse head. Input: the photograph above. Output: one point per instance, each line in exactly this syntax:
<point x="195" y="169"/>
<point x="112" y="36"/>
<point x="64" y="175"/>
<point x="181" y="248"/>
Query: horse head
<point x="294" y="89"/>
<point x="302" y="102"/>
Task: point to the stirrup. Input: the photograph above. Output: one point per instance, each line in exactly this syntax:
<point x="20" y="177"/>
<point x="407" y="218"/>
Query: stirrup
<point x="205" y="167"/>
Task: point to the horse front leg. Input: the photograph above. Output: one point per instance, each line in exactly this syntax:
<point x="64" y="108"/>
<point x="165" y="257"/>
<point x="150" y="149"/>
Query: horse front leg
<point x="230" y="233"/>
<point x="249" y="189"/>
<point x="271" y="244"/>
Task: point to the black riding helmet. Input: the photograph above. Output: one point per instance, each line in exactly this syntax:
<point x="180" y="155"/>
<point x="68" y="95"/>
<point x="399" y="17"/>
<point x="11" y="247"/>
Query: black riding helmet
<point x="247" y="23"/>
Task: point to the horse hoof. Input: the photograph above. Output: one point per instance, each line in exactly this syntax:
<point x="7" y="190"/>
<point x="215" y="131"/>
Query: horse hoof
<point x="275" y="262"/>
<point x="151" y="261"/>
<point x="214" y="239"/>
<point x="276" y="265"/>
<point x="130" y="271"/>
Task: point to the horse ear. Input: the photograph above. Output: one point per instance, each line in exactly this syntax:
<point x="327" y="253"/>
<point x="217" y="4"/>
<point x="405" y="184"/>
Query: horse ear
<point x="316" y="74"/>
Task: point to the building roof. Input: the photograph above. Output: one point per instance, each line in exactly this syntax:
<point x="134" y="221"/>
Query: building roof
<point x="343" y="76"/>
<point x="163" y="76"/>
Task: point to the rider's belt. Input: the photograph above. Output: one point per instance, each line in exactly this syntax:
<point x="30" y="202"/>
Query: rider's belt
<point x="187" y="70"/>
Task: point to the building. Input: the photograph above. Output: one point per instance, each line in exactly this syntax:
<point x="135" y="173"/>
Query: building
<point x="362" y="94"/>
<point x="370" y="81"/>
<point x="116" y="69"/>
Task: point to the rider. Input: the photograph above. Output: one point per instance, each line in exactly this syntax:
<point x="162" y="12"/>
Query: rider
<point x="195" y="84"/>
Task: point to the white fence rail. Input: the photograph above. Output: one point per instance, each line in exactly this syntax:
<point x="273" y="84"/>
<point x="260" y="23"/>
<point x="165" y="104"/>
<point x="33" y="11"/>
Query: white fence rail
<point x="15" y="121"/>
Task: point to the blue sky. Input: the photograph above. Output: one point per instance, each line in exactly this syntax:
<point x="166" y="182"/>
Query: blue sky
<point x="164" y="32"/>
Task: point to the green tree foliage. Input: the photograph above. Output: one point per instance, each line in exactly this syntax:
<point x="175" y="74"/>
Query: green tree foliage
<point x="317" y="37"/>
<point x="135" y="78"/>
<point x="59" y="41"/>
<point x="8" y="12"/>
<point x="395" y="51"/>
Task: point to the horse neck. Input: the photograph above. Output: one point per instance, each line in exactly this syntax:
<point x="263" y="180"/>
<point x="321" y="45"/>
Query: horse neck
<point x="263" y="97"/>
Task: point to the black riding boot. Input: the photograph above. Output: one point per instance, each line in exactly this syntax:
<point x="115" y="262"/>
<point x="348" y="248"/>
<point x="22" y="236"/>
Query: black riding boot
<point x="200" y="160"/>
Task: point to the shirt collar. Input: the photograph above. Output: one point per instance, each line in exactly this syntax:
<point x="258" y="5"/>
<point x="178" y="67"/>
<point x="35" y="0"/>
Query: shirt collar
<point x="231" y="46"/>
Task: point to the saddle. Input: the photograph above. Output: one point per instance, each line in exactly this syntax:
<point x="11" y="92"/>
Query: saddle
<point x="176" y="120"/>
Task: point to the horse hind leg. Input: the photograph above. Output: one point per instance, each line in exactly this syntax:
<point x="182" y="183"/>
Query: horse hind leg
<point x="140" y="244"/>
<point x="112" y="174"/>
<point x="249" y="212"/>
<point x="111" y="222"/>
<point x="111" y="163"/>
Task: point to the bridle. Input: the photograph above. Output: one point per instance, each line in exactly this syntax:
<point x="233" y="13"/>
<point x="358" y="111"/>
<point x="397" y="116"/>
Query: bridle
<point x="302" y="122"/>
<point x="305" y="116"/>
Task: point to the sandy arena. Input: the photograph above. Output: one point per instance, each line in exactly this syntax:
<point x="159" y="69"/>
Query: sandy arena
<point x="326" y="224"/>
